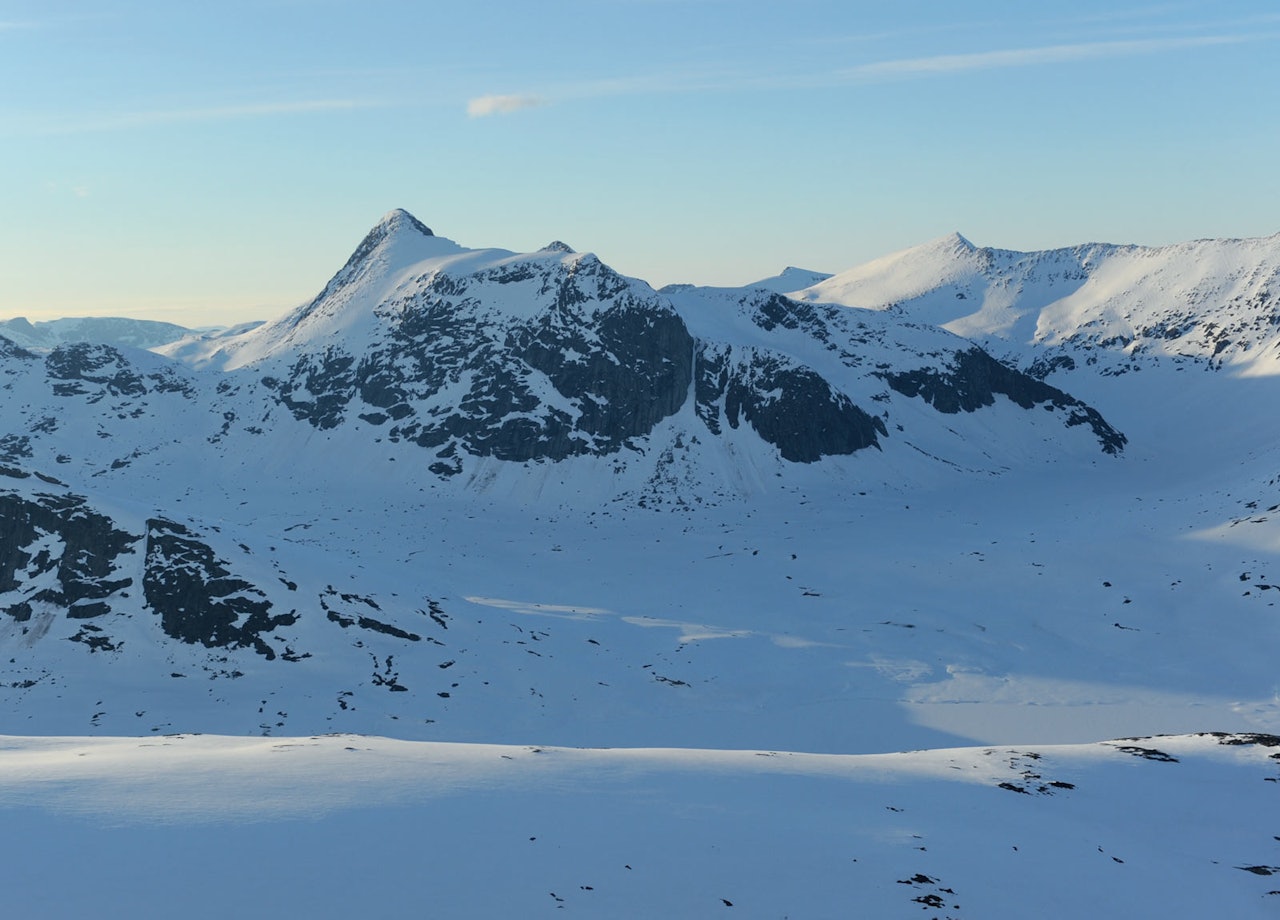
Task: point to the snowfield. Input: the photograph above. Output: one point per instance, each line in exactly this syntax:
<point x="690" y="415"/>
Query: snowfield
<point x="325" y="826"/>
<point x="500" y="584"/>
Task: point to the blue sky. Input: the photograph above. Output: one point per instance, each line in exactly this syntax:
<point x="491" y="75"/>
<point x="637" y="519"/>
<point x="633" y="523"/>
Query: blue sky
<point x="211" y="163"/>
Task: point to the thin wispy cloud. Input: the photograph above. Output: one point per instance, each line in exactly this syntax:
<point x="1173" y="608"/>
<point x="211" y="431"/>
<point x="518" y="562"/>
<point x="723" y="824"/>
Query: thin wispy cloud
<point x="483" y="106"/>
<point x="226" y="112"/>
<point x="1028" y="57"/>
<point x="710" y="79"/>
<point x="145" y="119"/>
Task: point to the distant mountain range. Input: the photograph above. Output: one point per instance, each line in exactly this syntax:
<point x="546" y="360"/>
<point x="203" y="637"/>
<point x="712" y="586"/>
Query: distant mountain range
<point x="120" y="332"/>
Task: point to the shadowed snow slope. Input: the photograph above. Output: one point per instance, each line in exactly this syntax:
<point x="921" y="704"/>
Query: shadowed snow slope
<point x="321" y="826"/>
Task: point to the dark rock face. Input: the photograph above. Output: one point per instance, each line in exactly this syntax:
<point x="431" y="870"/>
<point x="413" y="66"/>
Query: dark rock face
<point x="951" y="375"/>
<point x="13" y="448"/>
<point x="11" y="351"/>
<point x="775" y="311"/>
<point x="55" y="550"/>
<point x="82" y="367"/>
<point x="975" y="378"/>
<point x="595" y="366"/>
<point x="624" y="376"/>
<point x="98" y="371"/>
<point x="197" y="597"/>
<point x="329" y="601"/>
<point x="76" y="564"/>
<point x="790" y="406"/>
<point x="326" y="379"/>
<point x="1048" y="364"/>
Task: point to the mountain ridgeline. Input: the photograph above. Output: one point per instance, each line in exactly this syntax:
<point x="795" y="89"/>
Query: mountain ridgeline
<point x="552" y="355"/>
<point x="1210" y="302"/>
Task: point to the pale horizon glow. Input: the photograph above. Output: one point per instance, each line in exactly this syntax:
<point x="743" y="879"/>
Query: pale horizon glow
<point x="171" y="163"/>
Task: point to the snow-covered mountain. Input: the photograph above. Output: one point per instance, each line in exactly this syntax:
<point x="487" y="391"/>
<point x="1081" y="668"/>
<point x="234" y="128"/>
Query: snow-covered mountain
<point x="477" y="354"/>
<point x="483" y="502"/>
<point x="1205" y="301"/>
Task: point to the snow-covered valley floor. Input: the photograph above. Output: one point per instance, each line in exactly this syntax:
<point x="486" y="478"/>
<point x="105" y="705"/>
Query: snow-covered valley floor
<point x="654" y="648"/>
<point x="334" y="826"/>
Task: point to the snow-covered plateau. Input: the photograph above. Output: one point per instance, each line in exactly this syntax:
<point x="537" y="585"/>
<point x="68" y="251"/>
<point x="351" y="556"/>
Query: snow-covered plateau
<point x="490" y="583"/>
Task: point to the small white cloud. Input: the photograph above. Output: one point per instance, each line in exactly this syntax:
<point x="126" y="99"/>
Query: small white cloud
<point x="482" y="106"/>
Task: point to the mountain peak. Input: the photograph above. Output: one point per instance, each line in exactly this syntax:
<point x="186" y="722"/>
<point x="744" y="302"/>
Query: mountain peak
<point x="396" y="239"/>
<point x="557" y="246"/>
<point x="395" y="225"/>
<point x="954" y="241"/>
<point x="399" y="220"/>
